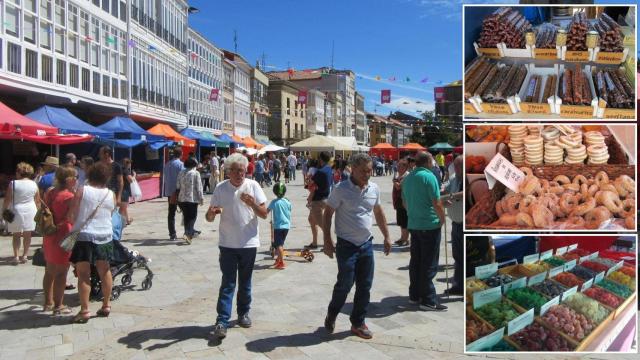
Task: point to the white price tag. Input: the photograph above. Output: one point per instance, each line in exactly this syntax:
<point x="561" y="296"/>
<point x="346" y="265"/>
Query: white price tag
<point x="502" y="170"/>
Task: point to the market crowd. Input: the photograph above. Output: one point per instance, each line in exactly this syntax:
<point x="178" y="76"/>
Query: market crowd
<point x="74" y="204"/>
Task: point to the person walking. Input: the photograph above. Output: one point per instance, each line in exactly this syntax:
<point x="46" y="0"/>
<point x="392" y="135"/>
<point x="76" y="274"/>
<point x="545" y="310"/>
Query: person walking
<point x="440" y="162"/>
<point x="323" y="181"/>
<point x="22" y="198"/>
<point x="128" y="175"/>
<point x="214" y="167"/>
<point x="116" y="180"/>
<point x="280" y="207"/>
<point x="355" y="202"/>
<point x="92" y="209"/>
<point x="49" y="167"/>
<point x="401" y="212"/>
<point x="292" y="161"/>
<point x="453" y="204"/>
<point x="277" y="165"/>
<point x="190" y="195"/>
<point x="421" y="196"/>
<point x="58" y="199"/>
<point x="240" y="202"/>
<point x="259" y="171"/>
<point x="170" y="173"/>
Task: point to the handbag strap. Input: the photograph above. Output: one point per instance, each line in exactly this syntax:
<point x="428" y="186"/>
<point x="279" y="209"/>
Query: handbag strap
<point x="13" y="195"/>
<point x="95" y="211"/>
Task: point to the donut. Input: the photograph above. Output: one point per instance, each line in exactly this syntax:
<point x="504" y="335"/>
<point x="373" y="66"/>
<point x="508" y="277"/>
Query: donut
<point x="572" y="187"/>
<point x="595" y="217"/>
<point x="611" y="187"/>
<point x="575" y="222"/>
<point x="527" y="171"/>
<point x="542" y="217"/>
<point x="524" y="219"/>
<point x="529" y="185"/>
<point x="511" y="204"/>
<point x="588" y="190"/>
<point x="568" y="202"/>
<point x="601" y="178"/>
<point x="628" y="208"/>
<point x="579" y="179"/>
<point x="524" y="205"/>
<point x="593" y="137"/>
<point x="550" y="133"/>
<point x="506" y="220"/>
<point x="562" y="179"/>
<point x="627" y="182"/>
<point x="620" y="188"/>
<point x="568" y="142"/>
<point x="630" y="222"/>
<point x="583" y="207"/>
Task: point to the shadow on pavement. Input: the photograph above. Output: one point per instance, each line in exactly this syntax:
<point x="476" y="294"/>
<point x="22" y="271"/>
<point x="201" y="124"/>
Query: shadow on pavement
<point x="295" y="340"/>
<point x="169" y="336"/>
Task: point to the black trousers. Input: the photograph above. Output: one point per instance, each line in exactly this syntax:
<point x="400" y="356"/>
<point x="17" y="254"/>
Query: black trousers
<point x="190" y="213"/>
<point x="171" y="219"/>
<point x="457" y="244"/>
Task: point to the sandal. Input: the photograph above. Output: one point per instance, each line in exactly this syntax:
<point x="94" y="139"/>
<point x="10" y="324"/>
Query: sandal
<point x="104" y="311"/>
<point x="82" y="317"/>
<point x="23" y="259"/>
<point x="311" y="246"/>
<point x="47" y="308"/>
<point x="62" y="310"/>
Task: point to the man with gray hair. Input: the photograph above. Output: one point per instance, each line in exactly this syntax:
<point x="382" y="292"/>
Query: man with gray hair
<point x="421" y="196"/>
<point x="354" y="202"/>
<point x="240" y="202"/>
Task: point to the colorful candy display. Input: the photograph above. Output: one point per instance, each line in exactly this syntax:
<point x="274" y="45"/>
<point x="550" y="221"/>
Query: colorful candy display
<point x="568" y="279"/>
<point x="476" y="329"/>
<point x="628" y="270"/>
<point x="620" y="290"/>
<point x="497" y="313"/>
<point x="608" y="262"/>
<point x="603" y="296"/>
<point x="621" y="278"/>
<point x="579" y="252"/>
<point x="527" y="298"/>
<point x="549" y="288"/>
<point x="498" y="280"/>
<point x="536" y="267"/>
<point x="474" y="285"/>
<point x="587" y="307"/>
<point x="595" y="266"/>
<point x="555" y="261"/>
<point x="501" y="346"/>
<point x="583" y="272"/>
<point x="565" y="319"/>
<point x="536" y="337"/>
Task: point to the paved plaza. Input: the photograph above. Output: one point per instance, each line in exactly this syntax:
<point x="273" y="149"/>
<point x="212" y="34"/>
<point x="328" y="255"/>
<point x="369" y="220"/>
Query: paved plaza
<point x="174" y="318"/>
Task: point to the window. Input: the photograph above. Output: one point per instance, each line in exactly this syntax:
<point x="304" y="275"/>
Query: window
<point x="14" y="59"/>
<point x="96" y="83"/>
<point x="96" y="3"/>
<point x="123" y="64"/>
<point x="31" y="63"/>
<point x="45" y="9"/>
<point x="105" y="59"/>
<point x="47" y="68"/>
<point x="73" y="18"/>
<point x="123" y="10"/>
<point x="60" y="40"/>
<point x="114" y="88"/>
<point x="30" y="28"/>
<point x="45" y="35"/>
<point x="84" y="50"/>
<point x="12" y="20"/>
<point x="114" y="8"/>
<point x="106" y="83"/>
<point x="61" y="72"/>
<point x="30" y="5"/>
<point x="60" y="16"/>
<point x="288" y="106"/>
<point x="72" y="44"/>
<point x="86" y="79"/>
<point x="95" y="55"/>
<point x="74" y="76"/>
<point x="123" y="89"/>
<point x="113" y="62"/>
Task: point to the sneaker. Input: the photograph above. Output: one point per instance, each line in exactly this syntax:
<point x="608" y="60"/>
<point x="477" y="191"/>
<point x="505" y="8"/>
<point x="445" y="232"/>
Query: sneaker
<point x="220" y="331"/>
<point x="280" y="265"/>
<point x="454" y="291"/>
<point x="187" y="238"/>
<point x="330" y="323"/>
<point x="173" y="237"/>
<point x="432" y="307"/>
<point x="414" y="301"/>
<point x="244" y="321"/>
<point x="362" y="331"/>
<point x="196" y="233"/>
<point x="401" y="242"/>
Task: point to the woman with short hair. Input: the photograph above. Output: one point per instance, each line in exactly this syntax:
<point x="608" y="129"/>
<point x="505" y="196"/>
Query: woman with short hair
<point x="92" y="209"/>
<point x="190" y="196"/>
<point x="58" y="199"/>
<point x="23" y="199"/>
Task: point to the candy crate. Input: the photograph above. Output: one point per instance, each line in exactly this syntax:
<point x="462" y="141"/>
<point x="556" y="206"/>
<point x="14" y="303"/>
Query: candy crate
<point x="527" y="52"/>
<point x="544" y="106"/>
<point x="614" y="113"/>
<point x="474" y="316"/>
<point x="623" y="302"/>
<point x="530" y="272"/>
<point x="520" y="308"/>
<point x="483" y="213"/>
<point x="554" y="282"/>
<point x="616" y="58"/>
<point x="468" y="293"/>
<point x="536" y="320"/>
<point x="503" y="300"/>
<point x="576" y="111"/>
<point x="517" y="271"/>
<point x="507" y="108"/>
<point x="579" y="345"/>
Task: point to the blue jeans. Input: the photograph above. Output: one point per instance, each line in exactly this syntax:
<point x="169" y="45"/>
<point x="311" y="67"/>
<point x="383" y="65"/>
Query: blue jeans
<point x="292" y="172"/>
<point x="355" y="263"/>
<point x="259" y="177"/>
<point x="457" y="246"/>
<point x="423" y="266"/>
<point x="235" y="263"/>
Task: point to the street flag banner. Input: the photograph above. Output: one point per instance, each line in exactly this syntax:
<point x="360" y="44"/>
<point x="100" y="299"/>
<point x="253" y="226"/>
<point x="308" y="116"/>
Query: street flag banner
<point x="438" y="94"/>
<point x="214" y="94"/>
<point x="385" y="96"/>
<point x="302" y="97"/>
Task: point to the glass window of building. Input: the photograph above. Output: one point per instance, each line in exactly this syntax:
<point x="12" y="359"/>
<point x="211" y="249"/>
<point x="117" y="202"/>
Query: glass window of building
<point x="47" y="68"/>
<point x="30" y="5"/>
<point x="72" y="46"/>
<point x="45" y="9"/>
<point x="96" y="83"/>
<point x="60" y="40"/>
<point x="31" y="63"/>
<point x="106" y="85"/>
<point x="114" y="88"/>
<point x="45" y="34"/>
<point x="95" y="55"/>
<point x="60" y="16"/>
<point x="73" y="76"/>
<point x="12" y="20"/>
<point x="86" y="79"/>
<point x="61" y="72"/>
<point x="105" y="59"/>
<point x="30" y="26"/>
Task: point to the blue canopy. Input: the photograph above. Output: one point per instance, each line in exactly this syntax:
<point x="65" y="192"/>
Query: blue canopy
<point x="65" y="121"/>
<point x="202" y="141"/>
<point x="125" y="128"/>
<point x="226" y="138"/>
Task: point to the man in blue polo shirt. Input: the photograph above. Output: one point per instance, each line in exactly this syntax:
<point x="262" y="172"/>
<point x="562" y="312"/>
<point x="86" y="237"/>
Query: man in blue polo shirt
<point x="354" y="201"/>
<point x="421" y="196"/>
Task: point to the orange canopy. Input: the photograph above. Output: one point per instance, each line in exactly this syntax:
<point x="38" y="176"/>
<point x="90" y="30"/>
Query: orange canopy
<point x="238" y="139"/>
<point x="250" y="142"/>
<point x="168" y="132"/>
<point x="413" y="147"/>
<point x="383" y="146"/>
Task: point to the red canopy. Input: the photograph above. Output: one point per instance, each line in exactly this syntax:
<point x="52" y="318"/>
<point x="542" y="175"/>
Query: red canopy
<point x="58" y="139"/>
<point x="12" y="123"/>
<point x="457" y="149"/>
<point x="385" y="150"/>
<point x="413" y="147"/>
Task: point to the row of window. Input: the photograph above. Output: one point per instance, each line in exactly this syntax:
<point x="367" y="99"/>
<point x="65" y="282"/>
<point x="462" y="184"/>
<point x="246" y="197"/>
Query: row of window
<point x="204" y="78"/>
<point x="205" y="122"/>
<point x="261" y="125"/>
<point x="163" y="18"/>
<point x="199" y="102"/>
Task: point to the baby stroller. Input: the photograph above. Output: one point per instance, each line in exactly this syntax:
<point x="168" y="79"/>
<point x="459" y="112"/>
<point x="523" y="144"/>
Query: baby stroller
<point x="123" y="264"/>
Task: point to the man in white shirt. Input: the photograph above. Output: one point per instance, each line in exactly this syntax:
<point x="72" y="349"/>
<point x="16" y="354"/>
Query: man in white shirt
<point x="214" y="165"/>
<point x="239" y="201"/>
<point x="292" y="161"/>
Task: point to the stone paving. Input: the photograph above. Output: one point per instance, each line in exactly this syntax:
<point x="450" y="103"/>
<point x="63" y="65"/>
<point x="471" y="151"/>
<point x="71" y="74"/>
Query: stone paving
<point x="174" y="318"/>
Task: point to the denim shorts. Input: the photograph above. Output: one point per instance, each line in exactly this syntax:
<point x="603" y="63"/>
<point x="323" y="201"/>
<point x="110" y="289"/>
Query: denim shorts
<point x="279" y="236"/>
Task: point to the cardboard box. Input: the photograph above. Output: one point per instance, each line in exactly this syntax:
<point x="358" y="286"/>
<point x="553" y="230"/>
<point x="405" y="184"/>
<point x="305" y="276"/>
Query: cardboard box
<point x="577" y="111"/>
<point x="545" y="106"/>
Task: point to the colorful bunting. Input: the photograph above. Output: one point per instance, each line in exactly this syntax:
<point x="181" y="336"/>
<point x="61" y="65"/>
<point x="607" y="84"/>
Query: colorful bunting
<point x="377" y="77"/>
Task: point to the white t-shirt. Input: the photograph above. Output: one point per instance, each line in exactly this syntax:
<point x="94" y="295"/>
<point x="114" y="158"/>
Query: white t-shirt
<point x="238" y="222"/>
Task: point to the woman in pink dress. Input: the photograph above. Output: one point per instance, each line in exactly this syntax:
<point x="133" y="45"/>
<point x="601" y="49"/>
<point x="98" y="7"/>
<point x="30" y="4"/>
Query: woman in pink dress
<point x="58" y="198"/>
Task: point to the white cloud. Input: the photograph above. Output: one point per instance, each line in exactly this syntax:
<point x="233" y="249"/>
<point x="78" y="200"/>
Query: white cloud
<point x="452" y="9"/>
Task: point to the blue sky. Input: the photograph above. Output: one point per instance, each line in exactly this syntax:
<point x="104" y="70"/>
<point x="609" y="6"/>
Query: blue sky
<point x="388" y="38"/>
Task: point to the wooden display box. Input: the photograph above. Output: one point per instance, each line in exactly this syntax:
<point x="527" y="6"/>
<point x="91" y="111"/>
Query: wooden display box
<point x="613" y="113"/>
<point x="615" y="58"/>
<point x="617" y="311"/>
<point x="547" y="54"/>
<point x="539" y="106"/>
<point x="469" y="295"/>
<point x="516" y="53"/>
<point x="474" y="316"/>
<point x="504" y="299"/>
<point x="551" y="297"/>
<point x="577" y="111"/>
<point x="497" y="108"/>
<point x="493" y="53"/>
<point x="517" y="271"/>
<point x="576" y="56"/>
<point x="469" y="109"/>
<point x="537" y="320"/>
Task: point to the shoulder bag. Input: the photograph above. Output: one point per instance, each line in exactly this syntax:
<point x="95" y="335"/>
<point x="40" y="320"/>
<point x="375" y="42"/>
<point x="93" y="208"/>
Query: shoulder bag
<point x="69" y="241"/>
<point x="8" y="214"/>
<point x="45" y="223"/>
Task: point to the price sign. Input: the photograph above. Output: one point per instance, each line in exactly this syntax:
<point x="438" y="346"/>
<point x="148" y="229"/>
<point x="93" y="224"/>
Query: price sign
<point x="545" y="255"/>
<point x="562" y="250"/>
<point x="516" y="284"/>
<point x="555" y="271"/>
<point x="584" y="258"/>
<point x="520" y="322"/>
<point x="594" y="255"/>
<point x="573" y="247"/>
<point x="486" y="296"/>
<point x="529" y="259"/>
<point x="485" y="271"/>
<point x="570" y="265"/>
<point x="568" y="293"/>
<point x="549" y="304"/>
<point x="587" y="284"/>
<point x="538" y="278"/>
<point x="486" y="342"/>
<point x="502" y="170"/>
<point x="599" y="277"/>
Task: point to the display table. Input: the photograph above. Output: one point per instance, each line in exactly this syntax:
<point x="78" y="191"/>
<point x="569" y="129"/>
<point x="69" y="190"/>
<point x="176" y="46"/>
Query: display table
<point x="619" y="335"/>
<point x="513" y="247"/>
<point x="150" y="185"/>
<point x="589" y="243"/>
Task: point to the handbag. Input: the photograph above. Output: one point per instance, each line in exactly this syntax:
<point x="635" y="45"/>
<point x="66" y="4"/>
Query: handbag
<point x="136" y="192"/>
<point x="38" y="258"/>
<point x="69" y="241"/>
<point x="7" y="214"/>
<point x="44" y="219"/>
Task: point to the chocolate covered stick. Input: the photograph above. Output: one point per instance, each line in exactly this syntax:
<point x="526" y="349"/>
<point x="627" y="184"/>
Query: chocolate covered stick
<point x="577" y="85"/>
<point x="586" y="90"/>
<point x="490" y="93"/>
<point x="567" y="81"/>
<point x="515" y="85"/>
<point x="510" y="75"/>
<point x="473" y="81"/>
<point x="536" y="92"/>
<point x="601" y="86"/>
<point x="625" y="83"/>
<point x="487" y="80"/>
<point x="617" y="98"/>
<point x="549" y="87"/>
<point x="528" y="94"/>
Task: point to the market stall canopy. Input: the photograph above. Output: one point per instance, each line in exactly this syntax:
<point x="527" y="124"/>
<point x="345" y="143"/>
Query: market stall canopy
<point x="250" y="151"/>
<point x="66" y="122"/>
<point x="226" y="138"/>
<point x="441" y="147"/>
<point x="168" y="132"/>
<point x="12" y="123"/>
<point x="125" y="128"/>
<point x="219" y="142"/>
<point x="56" y="139"/>
<point x="384" y="149"/>
<point x="319" y="143"/>
<point x="271" y="148"/>
<point x="347" y="141"/>
<point x="412" y="147"/>
<point x="202" y="140"/>
<point x="264" y="142"/>
<point x="457" y="149"/>
<point x="238" y="139"/>
<point x="380" y="146"/>
<point x="250" y="142"/>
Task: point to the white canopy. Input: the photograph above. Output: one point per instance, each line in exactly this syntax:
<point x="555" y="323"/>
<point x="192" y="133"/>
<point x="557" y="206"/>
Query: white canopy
<point x="271" y="148"/>
<point x="319" y="143"/>
<point x="250" y="151"/>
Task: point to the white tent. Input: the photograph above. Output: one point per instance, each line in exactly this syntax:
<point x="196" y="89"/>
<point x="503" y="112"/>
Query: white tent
<point x="349" y="142"/>
<point x="319" y="143"/>
<point x="250" y="151"/>
<point x="271" y="148"/>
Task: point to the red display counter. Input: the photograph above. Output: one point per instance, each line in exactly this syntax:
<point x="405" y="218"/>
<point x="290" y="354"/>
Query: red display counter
<point x="150" y="185"/>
